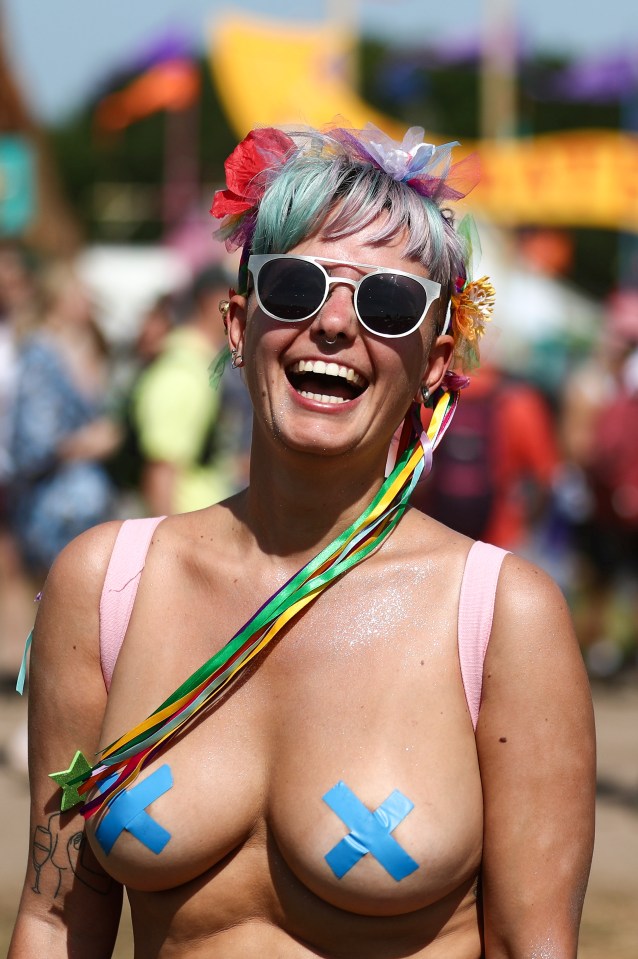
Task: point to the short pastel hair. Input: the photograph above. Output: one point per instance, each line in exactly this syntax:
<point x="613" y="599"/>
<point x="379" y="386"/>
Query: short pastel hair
<point x="339" y="196"/>
<point x="285" y="186"/>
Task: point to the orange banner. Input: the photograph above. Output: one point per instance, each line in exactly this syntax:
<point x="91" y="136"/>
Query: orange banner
<point x="173" y="85"/>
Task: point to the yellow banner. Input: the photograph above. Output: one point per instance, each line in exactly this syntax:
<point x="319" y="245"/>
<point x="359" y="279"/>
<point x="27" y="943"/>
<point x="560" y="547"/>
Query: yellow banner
<point x="575" y="178"/>
<point x="270" y="74"/>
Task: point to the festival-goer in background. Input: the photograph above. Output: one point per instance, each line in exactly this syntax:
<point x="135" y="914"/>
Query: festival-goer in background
<point x="368" y="788"/>
<point x="17" y="315"/>
<point x="156" y="324"/>
<point x="126" y="467"/>
<point x="60" y="431"/>
<point x="598" y="492"/>
<point x="176" y="416"/>
<point x="494" y="472"/>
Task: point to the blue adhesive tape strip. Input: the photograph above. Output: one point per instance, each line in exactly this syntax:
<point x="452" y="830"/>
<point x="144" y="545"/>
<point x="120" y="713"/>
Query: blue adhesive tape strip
<point x="128" y="812"/>
<point x="22" y="675"/>
<point x="369" y="832"/>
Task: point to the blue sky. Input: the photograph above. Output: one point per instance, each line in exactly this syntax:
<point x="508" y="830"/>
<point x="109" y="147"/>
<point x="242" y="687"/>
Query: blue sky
<point x="62" y="50"/>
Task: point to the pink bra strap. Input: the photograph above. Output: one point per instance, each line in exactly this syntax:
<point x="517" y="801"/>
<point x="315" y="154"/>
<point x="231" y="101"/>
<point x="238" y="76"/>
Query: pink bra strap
<point x="120" y="587"/>
<point x="476" y="610"/>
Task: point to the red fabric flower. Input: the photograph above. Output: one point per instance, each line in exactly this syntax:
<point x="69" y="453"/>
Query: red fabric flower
<point x="260" y="151"/>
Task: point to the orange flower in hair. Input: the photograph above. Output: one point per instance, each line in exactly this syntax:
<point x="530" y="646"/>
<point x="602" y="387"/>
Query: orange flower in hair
<point x="472" y="308"/>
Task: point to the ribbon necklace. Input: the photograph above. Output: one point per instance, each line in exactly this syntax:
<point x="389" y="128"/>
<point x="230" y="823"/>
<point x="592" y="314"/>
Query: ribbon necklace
<point x="128" y="755"/>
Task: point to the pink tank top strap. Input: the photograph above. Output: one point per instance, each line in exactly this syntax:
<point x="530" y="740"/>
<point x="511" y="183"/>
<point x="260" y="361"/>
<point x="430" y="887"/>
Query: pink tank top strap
<point x="120" y="587"/>
<point x="476" y="611"/>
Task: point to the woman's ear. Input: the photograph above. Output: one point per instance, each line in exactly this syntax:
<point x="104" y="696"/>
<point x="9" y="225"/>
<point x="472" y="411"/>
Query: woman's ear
<point x="439" y="362"/>
<point x="236" y="321"/>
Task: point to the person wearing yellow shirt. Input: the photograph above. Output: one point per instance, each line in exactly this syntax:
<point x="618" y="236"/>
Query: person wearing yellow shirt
<point x="176" y="413"/>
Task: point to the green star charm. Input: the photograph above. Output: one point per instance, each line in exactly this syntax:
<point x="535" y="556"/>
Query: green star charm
<point x="78" y="768"/>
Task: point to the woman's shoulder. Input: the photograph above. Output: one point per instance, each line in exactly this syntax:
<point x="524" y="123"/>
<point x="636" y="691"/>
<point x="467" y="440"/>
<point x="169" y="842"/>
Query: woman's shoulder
<point x="80" y="568"/>
<point x="520" y="581"/>
<point x="532" y="630"/>
<point x="182" y="542"/>
<point x="67" y="622"/>
<point x="526" y="590"/>
<point x="433" y="540"/>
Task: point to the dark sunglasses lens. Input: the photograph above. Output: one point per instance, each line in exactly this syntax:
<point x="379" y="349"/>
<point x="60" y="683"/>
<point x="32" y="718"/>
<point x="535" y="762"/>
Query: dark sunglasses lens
<point x="391" y="304"/>
<point x="291" y="289"/>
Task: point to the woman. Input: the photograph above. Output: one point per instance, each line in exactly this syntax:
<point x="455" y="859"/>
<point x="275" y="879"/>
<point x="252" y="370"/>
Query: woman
<point x="60" y="433"/>
<point x="335" y="800"/>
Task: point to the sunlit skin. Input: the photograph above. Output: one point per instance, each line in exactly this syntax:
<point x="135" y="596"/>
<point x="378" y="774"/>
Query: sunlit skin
<point x="364" y="687"/>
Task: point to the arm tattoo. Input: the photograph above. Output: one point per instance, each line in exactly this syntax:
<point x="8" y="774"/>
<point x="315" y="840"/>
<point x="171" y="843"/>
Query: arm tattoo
<point x="51" y="858"/>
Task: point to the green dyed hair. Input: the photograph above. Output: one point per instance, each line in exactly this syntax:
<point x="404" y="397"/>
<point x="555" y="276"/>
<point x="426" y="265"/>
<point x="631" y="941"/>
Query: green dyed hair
<point x="338" y="195"/>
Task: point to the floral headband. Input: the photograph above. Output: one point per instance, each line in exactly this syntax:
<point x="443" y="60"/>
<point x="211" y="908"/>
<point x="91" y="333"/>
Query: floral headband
<point x="425" y="168"/>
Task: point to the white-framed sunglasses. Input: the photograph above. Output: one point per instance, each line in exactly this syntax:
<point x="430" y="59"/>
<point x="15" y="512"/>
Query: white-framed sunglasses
<point x="389" y="303"/>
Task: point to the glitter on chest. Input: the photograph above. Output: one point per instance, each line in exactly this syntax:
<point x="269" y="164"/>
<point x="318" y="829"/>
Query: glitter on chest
<point x="377" y="616"/>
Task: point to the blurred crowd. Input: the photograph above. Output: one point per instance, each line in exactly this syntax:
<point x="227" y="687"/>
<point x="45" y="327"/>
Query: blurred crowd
<point x="93" y="428"/>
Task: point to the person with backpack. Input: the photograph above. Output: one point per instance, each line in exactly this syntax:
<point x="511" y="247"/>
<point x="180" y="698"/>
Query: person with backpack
<point x="492" y="478"/>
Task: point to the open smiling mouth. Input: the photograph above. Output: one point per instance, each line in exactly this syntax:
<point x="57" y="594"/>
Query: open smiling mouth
<point x="325" y="382"/>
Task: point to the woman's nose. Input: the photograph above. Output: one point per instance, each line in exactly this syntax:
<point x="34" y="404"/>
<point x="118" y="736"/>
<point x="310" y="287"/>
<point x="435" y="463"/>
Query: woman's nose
<point x="337" y="317"/>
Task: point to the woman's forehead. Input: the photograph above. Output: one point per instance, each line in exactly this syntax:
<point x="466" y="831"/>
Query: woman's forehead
<point x="362" y="248"/>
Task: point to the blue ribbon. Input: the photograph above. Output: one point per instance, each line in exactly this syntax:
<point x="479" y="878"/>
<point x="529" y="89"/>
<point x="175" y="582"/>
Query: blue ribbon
<point x="22" y="675"/>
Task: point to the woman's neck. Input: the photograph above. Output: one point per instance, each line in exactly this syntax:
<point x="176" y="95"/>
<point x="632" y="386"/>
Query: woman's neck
<point x="297" y="503"/>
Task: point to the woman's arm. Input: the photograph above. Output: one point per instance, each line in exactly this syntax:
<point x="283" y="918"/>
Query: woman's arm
<point x="69" y="906"/>
<point x="536" y="746"/>
<point x="97" y="440"/>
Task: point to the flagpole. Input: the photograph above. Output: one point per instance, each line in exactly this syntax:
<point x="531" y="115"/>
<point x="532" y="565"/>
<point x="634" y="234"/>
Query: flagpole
<point x="498" y="70"/>
<point x="181" y="165"/>
<point x="344" y="16"/>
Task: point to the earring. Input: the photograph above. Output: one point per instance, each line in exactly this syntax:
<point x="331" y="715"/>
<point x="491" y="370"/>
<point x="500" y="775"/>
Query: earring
<point x="224" y="307"/>
<point x="236" y="359"/>
<point x="425" y="395"/>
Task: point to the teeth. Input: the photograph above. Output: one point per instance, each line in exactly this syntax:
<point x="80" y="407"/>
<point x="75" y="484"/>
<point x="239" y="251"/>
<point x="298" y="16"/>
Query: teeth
<point x="329" y="369"/>
<point x="322" y="398"/>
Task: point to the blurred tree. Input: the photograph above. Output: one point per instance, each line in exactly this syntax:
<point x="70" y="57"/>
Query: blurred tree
<point x="91" y="160"/>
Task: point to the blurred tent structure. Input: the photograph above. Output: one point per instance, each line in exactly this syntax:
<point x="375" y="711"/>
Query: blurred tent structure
<point x="542" y="323"/>
<point x="269" y="72"/>
<point x="31" y="202"/>
<point x="124" y="281"/>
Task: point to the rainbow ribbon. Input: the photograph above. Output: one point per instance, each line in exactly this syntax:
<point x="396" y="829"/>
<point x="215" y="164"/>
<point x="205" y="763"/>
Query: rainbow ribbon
<point x="128" y="755"/>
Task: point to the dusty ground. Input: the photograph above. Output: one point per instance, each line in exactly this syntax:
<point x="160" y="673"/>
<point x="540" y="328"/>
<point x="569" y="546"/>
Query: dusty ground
<point x="610" y="921"/>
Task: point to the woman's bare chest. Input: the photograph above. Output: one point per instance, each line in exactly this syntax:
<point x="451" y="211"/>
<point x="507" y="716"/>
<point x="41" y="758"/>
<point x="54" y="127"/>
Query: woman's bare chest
<point x="347" y="745"/>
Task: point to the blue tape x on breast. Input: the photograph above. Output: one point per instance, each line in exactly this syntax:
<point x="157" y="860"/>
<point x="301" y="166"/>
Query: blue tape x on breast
<point x="128" y="812"/>
<point x="369" y="832"/>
